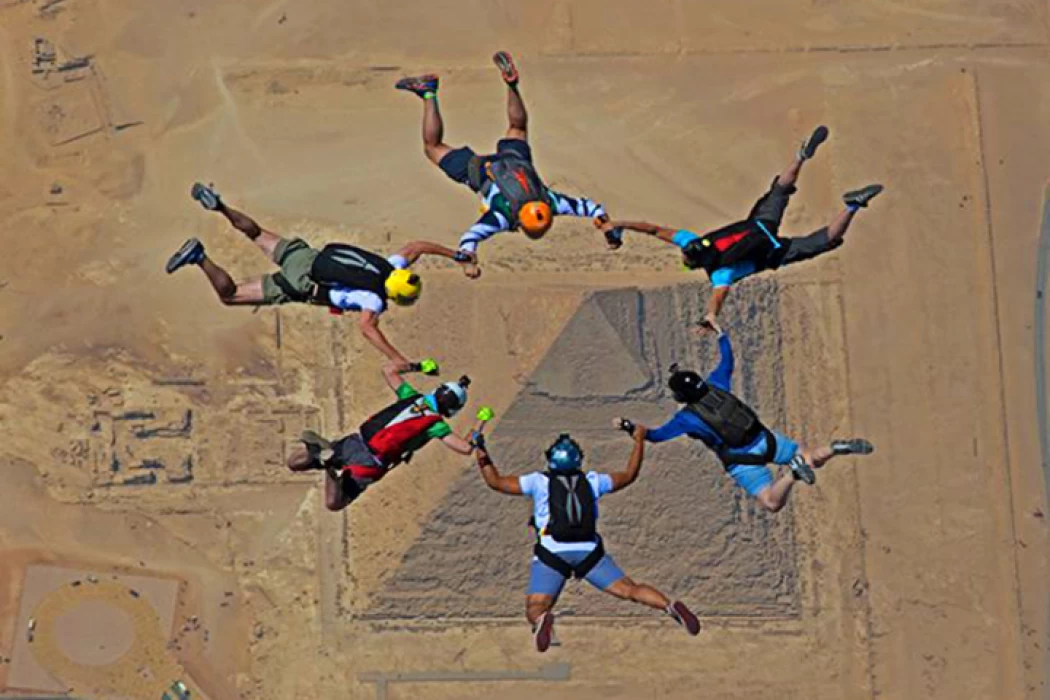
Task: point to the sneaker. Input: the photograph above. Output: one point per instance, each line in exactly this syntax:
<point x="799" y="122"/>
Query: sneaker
<point x="802" y="471"/>
<point x="685" y="617"/>
<point x="318" y="447"/>
<point x="206" y="195"/>
<point x="419" y="85"/>
<point x="544" y="632"/>
<point x="855" y="446"/>
<point x="191" y="253"/>
<point x="507" y="70"/>
<point x="861" y="197"/>
<point x="809" y="147"/>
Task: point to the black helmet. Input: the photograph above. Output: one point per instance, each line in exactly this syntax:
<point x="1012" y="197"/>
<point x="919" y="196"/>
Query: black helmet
<point x="686" y="385"/>
<point x="450" y="397"/>
<point x="698" y="253"/>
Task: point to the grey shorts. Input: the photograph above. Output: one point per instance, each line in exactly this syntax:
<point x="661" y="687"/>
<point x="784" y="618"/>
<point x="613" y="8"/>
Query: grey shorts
<point x="770" y="209"/>
<point x="807" y="247"/>
<point x="295" y="257"/>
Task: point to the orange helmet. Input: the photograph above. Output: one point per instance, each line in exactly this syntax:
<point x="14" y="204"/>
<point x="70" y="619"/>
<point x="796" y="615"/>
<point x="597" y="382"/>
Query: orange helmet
<point x="535" y="219"/>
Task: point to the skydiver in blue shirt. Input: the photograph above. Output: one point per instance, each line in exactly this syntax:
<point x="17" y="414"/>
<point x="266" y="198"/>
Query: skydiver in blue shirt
<point x="733" y="431"/>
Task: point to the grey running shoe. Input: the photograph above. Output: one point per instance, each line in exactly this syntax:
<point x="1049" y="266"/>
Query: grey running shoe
<point x="318" y="447"/>
<point x="191" y="253"/>
<point x="861" y="197"/>
<point x="809" y="147"/>
<point x="685" y="617"/>
<point x="854" y="446"/>
<point x="544" y="632"/>
<point x="802" y="471"/>
<point x="206" y="196"/>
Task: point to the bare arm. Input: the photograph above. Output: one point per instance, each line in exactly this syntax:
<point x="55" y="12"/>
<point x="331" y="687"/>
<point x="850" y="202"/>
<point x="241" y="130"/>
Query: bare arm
<point x="416" y="249"/>
<point x="495" y="481"/>
<point x="457" y="444"/>
<point x="369" y="324"/>
<point x="661" y="232"/>
<point x="622" y="480"/>
<point x="714" y="307"/>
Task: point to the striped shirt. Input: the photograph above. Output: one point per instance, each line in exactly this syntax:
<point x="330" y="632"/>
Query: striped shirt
<point x="493" y="222"/>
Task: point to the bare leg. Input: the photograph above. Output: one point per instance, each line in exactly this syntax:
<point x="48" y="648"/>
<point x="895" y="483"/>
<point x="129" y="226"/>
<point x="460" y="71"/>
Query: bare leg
<point x="334" y="497"/>
<point x="626" y="589"/>
<point x="300" y="459"/>
<point x="266" y="240"/>
<point x="536" y="605"/>
<point x="517" y="117"/>
<point x="433" y="131"/>
<point x="774" y="498"/>
<point x="840" y="224"/>
<point x="789" y="175"/>
<point x="818" y="457"/>
<point x="228" y="291"/>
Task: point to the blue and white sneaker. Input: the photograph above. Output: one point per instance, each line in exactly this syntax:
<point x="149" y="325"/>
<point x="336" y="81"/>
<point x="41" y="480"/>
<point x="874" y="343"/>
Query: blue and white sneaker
<point x="191" y="253"/>
<point x="206" y="195"/>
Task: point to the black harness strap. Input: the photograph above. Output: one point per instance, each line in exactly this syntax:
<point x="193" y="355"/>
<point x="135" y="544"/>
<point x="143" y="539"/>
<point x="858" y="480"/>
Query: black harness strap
<point x="294" y="294"/>
<point x="565" y="568"/>
<point x="727" y="456"/>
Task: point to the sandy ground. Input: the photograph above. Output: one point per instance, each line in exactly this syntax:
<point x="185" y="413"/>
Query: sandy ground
<point x="144" y="426"/>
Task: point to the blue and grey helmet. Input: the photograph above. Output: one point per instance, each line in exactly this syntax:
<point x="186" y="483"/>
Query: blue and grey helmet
<point x="564" y="455"/>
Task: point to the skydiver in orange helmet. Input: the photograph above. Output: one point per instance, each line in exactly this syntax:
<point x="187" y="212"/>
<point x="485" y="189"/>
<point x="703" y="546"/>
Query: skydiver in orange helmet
<point x="514" y="196"/>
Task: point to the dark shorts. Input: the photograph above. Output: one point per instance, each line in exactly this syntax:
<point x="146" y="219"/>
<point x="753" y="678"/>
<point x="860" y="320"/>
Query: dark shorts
<point x="456" y="163"/>
<point x="359" y="464"/>
<point x="769" y="211"/>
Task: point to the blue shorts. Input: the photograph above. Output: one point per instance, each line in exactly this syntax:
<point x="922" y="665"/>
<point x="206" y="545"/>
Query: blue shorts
<point x="754" y="477"/>
<point x="544" y="580"/>
<point x="456" y="163"/>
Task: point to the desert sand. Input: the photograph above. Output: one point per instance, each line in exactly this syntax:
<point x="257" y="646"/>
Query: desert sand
<point x="145" y="425"/>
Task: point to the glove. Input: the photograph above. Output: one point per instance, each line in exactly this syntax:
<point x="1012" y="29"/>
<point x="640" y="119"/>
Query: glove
<point x="627" y="426"/>
<point x="429" y="367"/>
<point x="485" y="413"/>
<point x="477" y="439"/>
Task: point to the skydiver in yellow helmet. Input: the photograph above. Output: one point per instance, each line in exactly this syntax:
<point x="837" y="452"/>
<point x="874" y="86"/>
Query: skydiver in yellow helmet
<point x="340" y="276"/>
<point x="513" y="195"/>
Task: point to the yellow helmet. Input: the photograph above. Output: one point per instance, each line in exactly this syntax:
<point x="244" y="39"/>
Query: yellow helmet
<point x="403" y="287"/>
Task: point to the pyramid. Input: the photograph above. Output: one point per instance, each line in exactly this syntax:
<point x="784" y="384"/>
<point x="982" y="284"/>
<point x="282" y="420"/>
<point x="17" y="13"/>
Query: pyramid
<point x="684" y="526"/>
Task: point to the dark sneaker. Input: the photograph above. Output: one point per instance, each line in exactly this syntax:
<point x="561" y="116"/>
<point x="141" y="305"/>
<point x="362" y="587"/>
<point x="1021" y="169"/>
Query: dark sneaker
<point x="855" y="446"/>
<point x="507" y="70"/>
<point x="208" y="197"/>
<point x="685" y="617"/>
<point x="809" y="147"/>
<point x="544" y="632"/>
<point x="317" y="446"/>
<point x="191" y="253"/>
<point x="861" y="197"/>
<point x="419" y="85"/>
<point x="614" y="238"/>
<point x="802" y="471"/>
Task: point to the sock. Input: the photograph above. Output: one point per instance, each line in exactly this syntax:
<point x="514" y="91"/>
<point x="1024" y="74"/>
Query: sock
<point x="853" y="207"/>
<point x="430" y="95"/>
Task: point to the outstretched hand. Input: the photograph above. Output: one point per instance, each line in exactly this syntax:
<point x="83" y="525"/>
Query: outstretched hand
<point x="472" y="269"/>
<point x="708" y="325"/>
